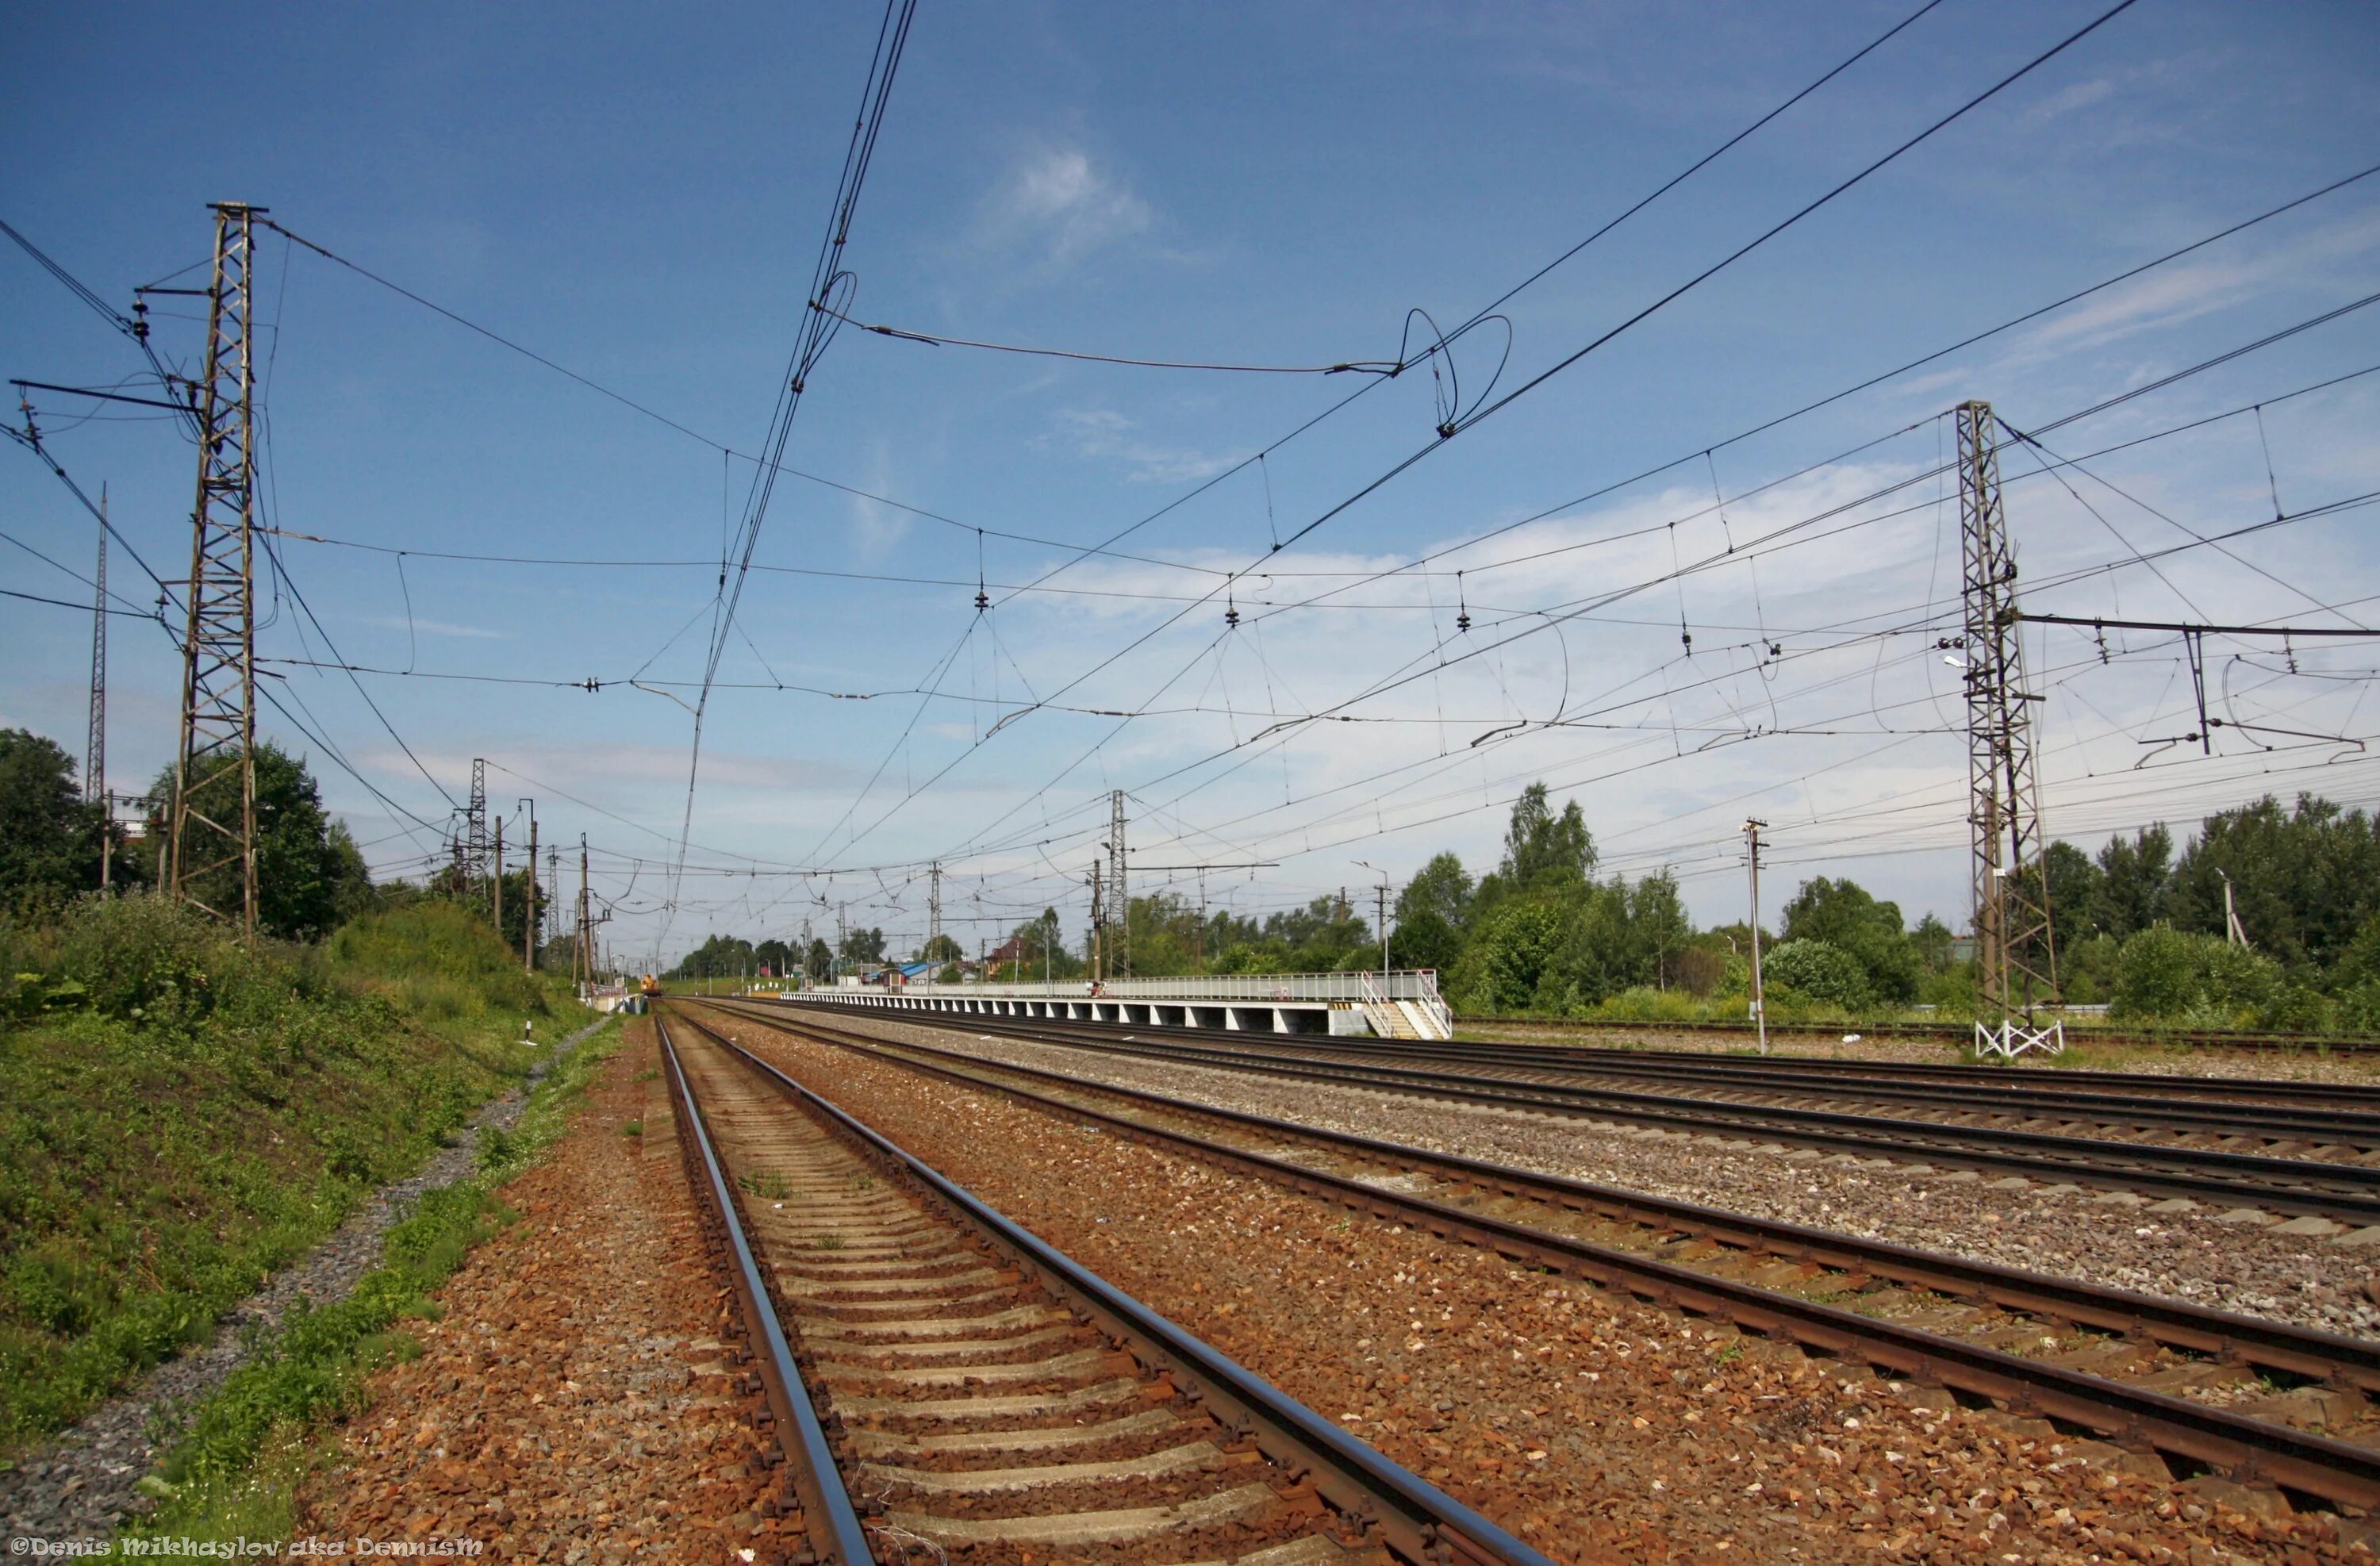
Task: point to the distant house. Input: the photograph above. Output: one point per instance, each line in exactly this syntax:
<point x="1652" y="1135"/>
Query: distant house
<point x="1011" y="950"/>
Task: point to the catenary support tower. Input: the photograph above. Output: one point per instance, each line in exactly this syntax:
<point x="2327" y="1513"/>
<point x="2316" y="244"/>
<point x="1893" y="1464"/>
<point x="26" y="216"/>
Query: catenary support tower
<point x="2016" y="961"/>
<point x="214" y="819"/>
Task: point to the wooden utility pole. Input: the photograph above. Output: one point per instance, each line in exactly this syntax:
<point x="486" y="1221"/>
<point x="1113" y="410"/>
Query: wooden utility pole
<point x="497" y="902"/>
<point x="583" y="956"/>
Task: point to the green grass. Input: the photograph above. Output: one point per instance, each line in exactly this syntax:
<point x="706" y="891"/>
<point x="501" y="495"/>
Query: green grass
<point x="180" y="1115"/>
<point x="235" y="1470"/>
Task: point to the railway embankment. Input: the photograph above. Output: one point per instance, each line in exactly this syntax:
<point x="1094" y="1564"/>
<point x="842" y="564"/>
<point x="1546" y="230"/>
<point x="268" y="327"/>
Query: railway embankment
<point x="201" y="1144"/>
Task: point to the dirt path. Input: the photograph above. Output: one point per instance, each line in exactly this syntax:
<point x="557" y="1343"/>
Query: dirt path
<point x="571" y="1407"/>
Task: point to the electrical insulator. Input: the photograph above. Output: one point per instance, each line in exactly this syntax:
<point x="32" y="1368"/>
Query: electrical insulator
<point x="1463" y="620"/>
<point x="982" y="601"/>
<point x="1232" y="616"/>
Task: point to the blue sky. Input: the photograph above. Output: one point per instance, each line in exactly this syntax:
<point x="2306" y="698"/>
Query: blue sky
<point x="639" y="195"/>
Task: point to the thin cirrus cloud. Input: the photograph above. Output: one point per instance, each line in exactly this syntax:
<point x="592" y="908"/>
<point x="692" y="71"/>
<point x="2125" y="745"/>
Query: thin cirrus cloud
<point x="436" y="627"/>
<point x="1103" y="434"/>
<point x="1054" y="200"/>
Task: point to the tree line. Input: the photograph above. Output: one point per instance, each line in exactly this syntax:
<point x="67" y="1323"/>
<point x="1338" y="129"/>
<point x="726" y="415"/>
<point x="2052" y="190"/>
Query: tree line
<point x="2139" y="927"/>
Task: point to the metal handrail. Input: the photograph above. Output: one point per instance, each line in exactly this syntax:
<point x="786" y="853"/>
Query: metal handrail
<point x="1353" y="986"/>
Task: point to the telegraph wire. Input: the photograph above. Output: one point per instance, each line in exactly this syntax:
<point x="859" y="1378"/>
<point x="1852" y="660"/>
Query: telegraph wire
<point x="829" y="282"/>
<point x="1465" y="421"/>
<point x="1894" y="373"/>
<point x="1390" y="367"/>
<point x="1490" y="410"/>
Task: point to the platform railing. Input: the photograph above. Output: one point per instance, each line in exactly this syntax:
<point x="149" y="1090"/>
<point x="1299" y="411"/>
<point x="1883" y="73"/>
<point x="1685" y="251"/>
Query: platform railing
<point x="1355" y="987"/>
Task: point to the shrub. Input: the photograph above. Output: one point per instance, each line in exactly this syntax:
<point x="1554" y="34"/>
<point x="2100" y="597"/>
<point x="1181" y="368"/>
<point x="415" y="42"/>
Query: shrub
<point x="2174" y="976"/>
<point x="1818" y="970"/>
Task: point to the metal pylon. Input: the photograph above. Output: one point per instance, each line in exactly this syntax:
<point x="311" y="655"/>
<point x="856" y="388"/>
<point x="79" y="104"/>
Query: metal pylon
<point x="209" y="830"/>
<point x="2016" y="959"/>
<point x="476" y="846"/>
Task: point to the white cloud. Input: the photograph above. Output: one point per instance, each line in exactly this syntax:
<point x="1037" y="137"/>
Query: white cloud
<point x="436" y="627"/>
<point x="1105" y="434"/>
<point x="877" y="529"/>
<point x="1055" y="200"/>
<point x="2067" y="100"/>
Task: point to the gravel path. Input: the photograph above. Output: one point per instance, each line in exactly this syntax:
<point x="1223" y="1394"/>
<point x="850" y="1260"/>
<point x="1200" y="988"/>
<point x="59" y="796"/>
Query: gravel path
<point x="572" y="1405"/>
<point x="1596" y="1428"/>
<point x="2116" y="1239"/>
<point x="79" y="1483"/>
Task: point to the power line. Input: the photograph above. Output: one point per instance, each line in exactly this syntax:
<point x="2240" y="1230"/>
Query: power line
<point x="829" y="283"/>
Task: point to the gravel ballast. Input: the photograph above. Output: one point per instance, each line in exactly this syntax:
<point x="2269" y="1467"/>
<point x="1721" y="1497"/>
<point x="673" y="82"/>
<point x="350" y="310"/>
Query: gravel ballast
<point x="573" y="1404"/>
<point x="2110" y="1239"/>
<point x="1596" y="1427"/>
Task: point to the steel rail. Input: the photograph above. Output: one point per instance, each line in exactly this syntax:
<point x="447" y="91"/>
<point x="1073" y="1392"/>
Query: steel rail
<point x="2345" y="1191"/>
<point x="836" y="1534"/>
<point x="2147" y="1086"/>
<point x="2294" y="1352"/>
<point x="2211" y="1038"/>
<point x="2311" y="1465"/>
<point x="1417" y="1520"/>
<point x="1986" y="1092"/>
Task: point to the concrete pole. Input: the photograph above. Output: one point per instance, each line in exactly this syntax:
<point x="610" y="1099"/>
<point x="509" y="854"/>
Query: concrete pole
<point x="1759" y="1002"/>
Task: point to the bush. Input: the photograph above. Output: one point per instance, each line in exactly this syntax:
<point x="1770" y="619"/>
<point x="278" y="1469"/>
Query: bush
<point x="2165" y="974"/>
<point x="1641" y="1004"/>
<point x="180" y="1114"/>
<point x="1818" y="970"/>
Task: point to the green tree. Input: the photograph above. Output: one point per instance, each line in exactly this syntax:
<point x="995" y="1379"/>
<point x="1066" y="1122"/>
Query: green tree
<point x="1424" y="939"/>
<point x="308" y="872"/>
<point x="1510" y="954"/>
<point x="1843" y="914"/>
<point x="818" y="964"/>
<point x="49" y="837"/>
<point x="2130" y="895"/>
<point x="720" y="957"/>
<point x="1543" y="851"/>
<point x="2303" y="880"/>
<point x="777" y="957"/>
<point x="1931" y="940"/>
<point x="940" y="949"/>
<point x="1442" y="890"/>
<point x="865" y="947"/>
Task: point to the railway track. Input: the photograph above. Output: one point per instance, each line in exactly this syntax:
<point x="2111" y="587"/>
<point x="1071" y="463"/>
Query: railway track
<point x="2135" y="1376"/>
<point x="945" y="1387"/>
<point x="2334" y="1188"/>
<point x="1949" y="1036"/>
<point x="2149" y="1088"/>
<point x="2281" y="1119"/>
